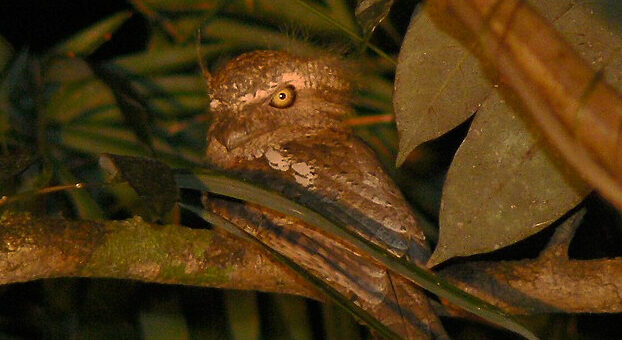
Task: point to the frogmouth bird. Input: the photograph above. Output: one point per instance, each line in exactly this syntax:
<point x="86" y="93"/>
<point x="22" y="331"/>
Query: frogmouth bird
<point x="278" y="120"/>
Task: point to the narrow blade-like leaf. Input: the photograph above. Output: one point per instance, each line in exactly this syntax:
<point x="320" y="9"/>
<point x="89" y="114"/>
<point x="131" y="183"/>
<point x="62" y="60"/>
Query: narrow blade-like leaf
<point x="321" y="285"/>
<point x="228" y="186"/>
<point x="87" y="41"/>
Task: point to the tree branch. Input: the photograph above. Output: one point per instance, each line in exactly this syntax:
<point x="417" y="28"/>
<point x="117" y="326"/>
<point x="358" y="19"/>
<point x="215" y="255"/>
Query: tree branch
<point x="35" y="248"/>
<point x="544" y="285"/>
<point x="560" y="241"/>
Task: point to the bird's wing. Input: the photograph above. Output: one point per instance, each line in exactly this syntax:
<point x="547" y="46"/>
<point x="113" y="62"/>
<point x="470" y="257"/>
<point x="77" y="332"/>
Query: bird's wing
<point x="340" y="176"/>
<point x="355" y="189"/>
<point x="397" y="303"/>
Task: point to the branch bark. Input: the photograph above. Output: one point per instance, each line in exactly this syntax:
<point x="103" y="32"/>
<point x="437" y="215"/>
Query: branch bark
<point x="36" y="248"/>
<point x="543" y="285"/>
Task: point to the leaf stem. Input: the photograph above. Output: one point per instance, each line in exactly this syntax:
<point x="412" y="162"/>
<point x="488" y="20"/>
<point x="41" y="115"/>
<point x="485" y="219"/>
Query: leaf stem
<point x="48" y="190"/>
<point x="370" y="120"/>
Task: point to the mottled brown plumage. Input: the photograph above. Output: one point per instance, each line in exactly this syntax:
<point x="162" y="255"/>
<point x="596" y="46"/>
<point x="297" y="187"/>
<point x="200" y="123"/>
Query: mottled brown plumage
<point x="277" y="120"/>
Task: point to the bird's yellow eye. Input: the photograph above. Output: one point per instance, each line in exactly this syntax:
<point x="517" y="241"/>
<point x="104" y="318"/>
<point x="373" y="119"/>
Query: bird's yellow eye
<point x="284" y="97"/>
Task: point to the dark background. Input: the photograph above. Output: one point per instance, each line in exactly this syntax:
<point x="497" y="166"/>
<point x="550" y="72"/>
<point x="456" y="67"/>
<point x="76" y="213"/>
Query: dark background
<point x="40" y="24"/>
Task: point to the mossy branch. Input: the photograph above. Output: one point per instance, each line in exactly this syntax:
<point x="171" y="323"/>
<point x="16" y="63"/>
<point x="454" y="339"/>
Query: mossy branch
<point x="43" y="247"/>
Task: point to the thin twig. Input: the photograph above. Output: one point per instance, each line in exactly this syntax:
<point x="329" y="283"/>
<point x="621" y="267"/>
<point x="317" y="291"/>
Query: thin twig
<point x="370" y="120"/>
<point x="29" y="194"/>
<point x="560" y="241"/>
<point x="348" y="31"/>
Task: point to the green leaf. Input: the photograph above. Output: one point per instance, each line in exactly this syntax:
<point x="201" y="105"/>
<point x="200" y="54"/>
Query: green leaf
<point x="181" y="106"/>
<point x="171" y="84"/>
<point x="339" y="324"/>
<point x="102" y="138"/>
<point x="374" y="92"/>
<point x="321" y="285"/>
<point x="134" y="106"/>
<point x="4" y="121"/>
<point x="170" y="59"/>
<point x="341" y="11"/>
<point x="164" y="325"/>
<point x="88" y="40"/>
<point x="96" y="140"/>
<point x="228" y="186"/>
<point x="174" y="96"/>
<point x="178" y="5"/>
<point x="348" y="31"/>
<point x="17" y="93"/>
<point x="68" y="70"/>
<point x="11" y="165"/>
<point x="279" y="12"/>
<point x="370" y="13"/>
<point x="75" y="101"/>
<point x="151" y="179"/>
<point x="5" y="105"/>
<point x="294" y="316"/>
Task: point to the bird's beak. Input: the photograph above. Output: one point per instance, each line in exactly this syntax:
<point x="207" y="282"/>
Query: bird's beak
<point x="232" y="139"/>
<point x="235" y="133"/>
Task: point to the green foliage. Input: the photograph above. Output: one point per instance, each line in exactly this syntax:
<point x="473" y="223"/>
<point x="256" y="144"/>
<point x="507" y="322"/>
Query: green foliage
<point x="150" y="103"/>
<point x="59" y="110"/>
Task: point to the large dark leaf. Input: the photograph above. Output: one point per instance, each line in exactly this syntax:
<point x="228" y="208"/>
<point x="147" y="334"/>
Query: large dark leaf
<point x="505" y="183"/>
<point x="151" y="179"/>
<point x="439" y="82"/>
<point x="494" y="197"/>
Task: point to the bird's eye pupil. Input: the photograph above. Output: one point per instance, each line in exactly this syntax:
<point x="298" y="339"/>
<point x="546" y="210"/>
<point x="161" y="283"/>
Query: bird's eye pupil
<point x="282" y="96"/>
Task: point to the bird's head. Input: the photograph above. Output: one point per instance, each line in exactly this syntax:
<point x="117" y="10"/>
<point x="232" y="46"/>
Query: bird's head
<point x="273" y="96"/>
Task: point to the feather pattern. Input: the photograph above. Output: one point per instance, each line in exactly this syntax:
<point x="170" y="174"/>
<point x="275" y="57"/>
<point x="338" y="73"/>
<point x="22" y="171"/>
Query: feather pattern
<point x="305" y="152"/>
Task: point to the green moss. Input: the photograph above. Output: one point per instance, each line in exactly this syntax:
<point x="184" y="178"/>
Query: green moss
<point x="169" y="253"/>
